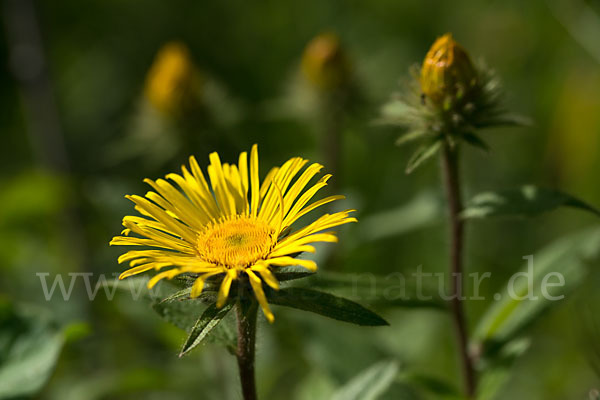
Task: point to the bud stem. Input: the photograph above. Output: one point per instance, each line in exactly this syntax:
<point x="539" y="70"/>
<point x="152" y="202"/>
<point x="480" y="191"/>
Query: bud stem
<point x="246" y="323"/>
<point x="452" y="185"/>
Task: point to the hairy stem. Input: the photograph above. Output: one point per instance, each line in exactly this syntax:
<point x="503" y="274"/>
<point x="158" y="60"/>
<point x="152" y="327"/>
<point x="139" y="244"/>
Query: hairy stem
<point x="452" y="184"/>
<point x="246" y="324"/>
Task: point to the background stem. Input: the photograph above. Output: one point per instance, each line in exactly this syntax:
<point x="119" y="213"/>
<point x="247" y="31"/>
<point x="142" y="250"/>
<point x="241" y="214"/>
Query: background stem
<point x="246" y="322"/>
<point x="452" y="185"/>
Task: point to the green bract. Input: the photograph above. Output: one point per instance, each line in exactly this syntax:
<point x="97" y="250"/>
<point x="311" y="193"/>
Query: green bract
<point x="432" y="123"/>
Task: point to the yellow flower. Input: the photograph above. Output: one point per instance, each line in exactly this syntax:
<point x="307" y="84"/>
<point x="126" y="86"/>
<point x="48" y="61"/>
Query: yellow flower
<point x="323" y="62"/>
<point x="447" y="72"/>
<point x="172" y="78"/>
<point x="234" y="228"/>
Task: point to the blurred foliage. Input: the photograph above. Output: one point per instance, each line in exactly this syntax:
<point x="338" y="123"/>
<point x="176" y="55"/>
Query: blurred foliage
<point x="30" y="345"/>
<point x="248" y="58"/>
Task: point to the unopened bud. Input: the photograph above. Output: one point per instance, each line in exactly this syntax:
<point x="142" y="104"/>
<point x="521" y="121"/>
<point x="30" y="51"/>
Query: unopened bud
<point x="447" y="73"/>
<point x="172" y="79"/>
<point x="324" y="64"/>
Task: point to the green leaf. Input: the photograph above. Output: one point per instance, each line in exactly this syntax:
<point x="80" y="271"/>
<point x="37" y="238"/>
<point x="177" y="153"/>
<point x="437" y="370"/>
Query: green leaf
<point x="183" y="294"/>
<point x="396" y="112"/>
<point x="31" y="196"/>
<point x="369" y="384"/>
<point x="291" y="273"/>
<point x="525" y="201"/>
<point x="410" y="136"/>
<point x="182" y="314"/>
<point x="206" y="296"/>
<point x="317" y="384"/>
<point x="475" y="141"/>
<point x="503" y="119"/>
<point x="384" y="291"/>
<point x="515" y="310"/>
<point x="207" y="321"/>
<point x="29" y="348"/>
<point x="423" y="153"/>
<point x="421" y="211"/>
<point x="324" y="304"/>
<point x="440" y="388"/>
<point x="496" y="372"/>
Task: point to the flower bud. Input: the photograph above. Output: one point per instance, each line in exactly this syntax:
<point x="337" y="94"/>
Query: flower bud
<point x="324" y="64"/>
<point x="447" y="73"/>
<point x="172" y="80"/>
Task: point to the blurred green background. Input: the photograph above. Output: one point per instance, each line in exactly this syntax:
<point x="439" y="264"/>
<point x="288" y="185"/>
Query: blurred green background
<point x="80" y="130"/>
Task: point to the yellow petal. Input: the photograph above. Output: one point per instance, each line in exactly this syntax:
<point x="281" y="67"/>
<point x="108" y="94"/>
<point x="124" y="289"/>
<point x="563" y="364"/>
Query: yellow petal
<point x="225" y="286"/>
<point x="256" y="284"/>
<point x="255" y="188"/>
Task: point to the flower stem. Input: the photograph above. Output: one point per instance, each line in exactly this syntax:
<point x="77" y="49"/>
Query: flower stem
<point x="452" y="184"/>
<point x="246" y="323"/>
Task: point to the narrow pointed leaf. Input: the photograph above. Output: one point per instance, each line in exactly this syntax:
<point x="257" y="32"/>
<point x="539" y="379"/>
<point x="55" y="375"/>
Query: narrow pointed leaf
<point x="438" y="387"/>
<point x="423" y="154"/>
<point x="324" y="304"/>
<point x="525" y="201"/>
<point x="291" y="273"/>
<point x="497" y="372"/>
<point x="179" y="295"/>
<point x="409" y="137"/>
<point x="505" y="119"/>
<point x="524" y="299"/>
<point x="369" y="384"/>
<point x="207" y="321"/>
<point x="476" y="141"/>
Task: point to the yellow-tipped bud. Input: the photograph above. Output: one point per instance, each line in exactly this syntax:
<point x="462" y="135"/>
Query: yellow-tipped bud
<point x="324" y="64"/>
<point x="172" y="79"/>
<point x="447" y="73"/>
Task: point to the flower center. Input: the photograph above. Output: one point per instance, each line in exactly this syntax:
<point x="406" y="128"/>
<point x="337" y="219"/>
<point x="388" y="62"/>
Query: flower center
<point x="236" y="242"/>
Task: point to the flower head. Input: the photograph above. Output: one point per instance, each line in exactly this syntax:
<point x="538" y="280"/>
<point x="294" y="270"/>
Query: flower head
<point x="172" y="78"/>
<point x="324" y="64"/>
<point x="233" y="228"/>
<point x="447" y="72"/>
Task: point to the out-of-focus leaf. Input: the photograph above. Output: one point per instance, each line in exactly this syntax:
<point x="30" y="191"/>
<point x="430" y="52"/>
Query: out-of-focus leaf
<point x="316" y="385"/>
<point x="207" y="321"/>
<point x="369" y="384"/>
<point x="581" y="20"/>
<point x="525" y="201"/>
<point x="29" y="348"/>
<point x="503" y="119"/>
<point x="76" y="331"/>
<point x="423" y="210"/>
<point x="105" y="384"/>
<point x="410" y="136"/>
<point x="508" y="316"/>
<point x="497" y="371"/>
<point x="395" y="111"/>
<point x="31" y="195"/>
<point x="475" y="141"/>
<point x="324" y="304"/>
<point x="433" y="385"/>
<point x="393" y="290"/>
<point x="422" y="154"/>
